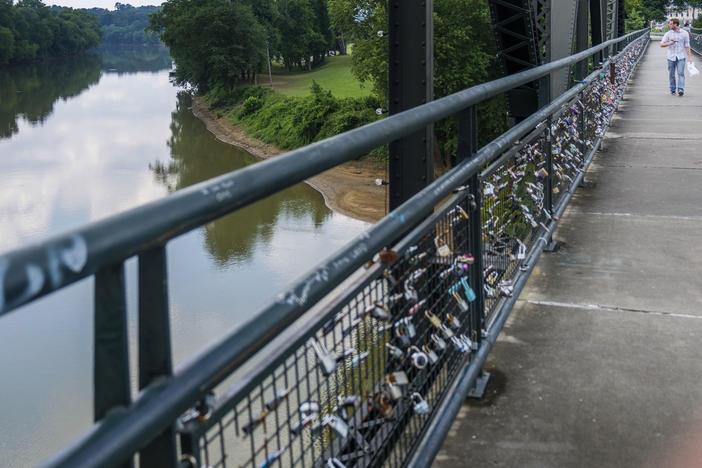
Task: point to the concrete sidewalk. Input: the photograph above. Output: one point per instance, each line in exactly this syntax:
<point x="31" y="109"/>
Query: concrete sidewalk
<point x="600" y="363"/>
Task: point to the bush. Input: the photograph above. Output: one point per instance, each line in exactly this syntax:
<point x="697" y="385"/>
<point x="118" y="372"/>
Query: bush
<point x="251" y="105"/>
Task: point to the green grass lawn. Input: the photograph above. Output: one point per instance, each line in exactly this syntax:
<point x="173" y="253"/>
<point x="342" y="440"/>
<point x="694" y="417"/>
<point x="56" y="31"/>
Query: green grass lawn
<point x="334" y="75"/>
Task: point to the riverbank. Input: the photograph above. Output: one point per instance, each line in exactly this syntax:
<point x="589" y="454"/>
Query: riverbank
<point x="349" y="189"/>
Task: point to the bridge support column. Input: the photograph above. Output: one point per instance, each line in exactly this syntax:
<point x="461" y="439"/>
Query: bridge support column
<point x="411" y="70"/>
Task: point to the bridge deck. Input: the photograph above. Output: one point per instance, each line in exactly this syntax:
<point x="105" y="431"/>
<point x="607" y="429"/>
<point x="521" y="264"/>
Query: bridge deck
<point x="601" y="361"/>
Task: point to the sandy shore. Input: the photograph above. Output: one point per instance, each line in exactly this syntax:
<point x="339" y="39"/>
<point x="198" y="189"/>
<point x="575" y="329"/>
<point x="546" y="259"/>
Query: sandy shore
<point x="348" y="189"/>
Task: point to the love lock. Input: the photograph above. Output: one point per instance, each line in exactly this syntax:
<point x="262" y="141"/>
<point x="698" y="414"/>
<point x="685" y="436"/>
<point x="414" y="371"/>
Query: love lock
<point x="406" y="326"/>
<point x="309" y="410"/>
<point x="438" y="341"/>
<point x="410" y="292"/>
<point x="431" y="354"/>
<point x="336" y="424"/>
<point x="395" y="351"/>
<point x="420" y="404"/>
<point x="346" y="406"/>
<point x="460" y="345"/>
<point x="453" y="321"/>
<point x="379" y="312"/>
<point x="418" y="358"/>
<point x="467" y="290"/>
<point x="334" y="462"/>
<point x="325" y="358"/>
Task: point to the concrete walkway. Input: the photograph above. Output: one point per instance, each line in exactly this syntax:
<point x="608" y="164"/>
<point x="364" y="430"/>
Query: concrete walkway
<point x="600" y="363"/>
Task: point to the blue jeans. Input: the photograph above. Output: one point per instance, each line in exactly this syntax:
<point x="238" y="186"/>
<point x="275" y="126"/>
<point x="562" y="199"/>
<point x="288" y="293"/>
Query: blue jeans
<point x="678" y="64"/>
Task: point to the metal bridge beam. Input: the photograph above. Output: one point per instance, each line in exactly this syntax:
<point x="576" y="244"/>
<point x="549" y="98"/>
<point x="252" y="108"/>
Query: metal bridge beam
<point x="411" y="70"/>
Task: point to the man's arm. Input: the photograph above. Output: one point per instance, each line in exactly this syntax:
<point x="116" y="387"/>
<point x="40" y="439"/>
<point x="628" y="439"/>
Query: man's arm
<point x="689" y="55"/>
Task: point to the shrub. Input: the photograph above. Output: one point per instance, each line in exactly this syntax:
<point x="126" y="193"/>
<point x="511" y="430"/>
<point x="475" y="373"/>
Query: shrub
<point x="251" y="105"/>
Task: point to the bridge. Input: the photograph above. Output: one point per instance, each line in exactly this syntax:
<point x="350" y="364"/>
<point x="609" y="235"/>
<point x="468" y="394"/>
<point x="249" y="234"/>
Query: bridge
<point x="367" y="360"/>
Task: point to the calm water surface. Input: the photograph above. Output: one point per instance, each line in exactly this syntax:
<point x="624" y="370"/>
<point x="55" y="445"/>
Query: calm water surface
<point x="82" y="139"/>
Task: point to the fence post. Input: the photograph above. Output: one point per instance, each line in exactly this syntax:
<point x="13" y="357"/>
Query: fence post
<point x="155" y="345"/>
<point x="467" y="147"/>
<point x="111" y="366"/>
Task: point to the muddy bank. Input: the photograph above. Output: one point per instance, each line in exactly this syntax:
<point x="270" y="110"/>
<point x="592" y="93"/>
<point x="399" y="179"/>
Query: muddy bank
<point x="348" y="189"/>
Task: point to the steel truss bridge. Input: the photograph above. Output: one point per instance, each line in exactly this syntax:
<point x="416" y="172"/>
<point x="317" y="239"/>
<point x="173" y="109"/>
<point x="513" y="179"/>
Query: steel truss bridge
<point x="391" y="333"/>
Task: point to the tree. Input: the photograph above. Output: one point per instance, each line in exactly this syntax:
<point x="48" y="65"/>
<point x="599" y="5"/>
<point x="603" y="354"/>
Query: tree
<point x="213" y="42"/>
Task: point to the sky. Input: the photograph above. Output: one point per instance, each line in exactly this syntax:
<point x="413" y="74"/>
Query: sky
<point x="108" y="4"/>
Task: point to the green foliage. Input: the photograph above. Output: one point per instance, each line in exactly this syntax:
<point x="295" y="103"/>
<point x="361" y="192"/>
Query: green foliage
<point x="292" y="122"/>
<point x="251" y="105"/>
<point x="29" y="31"/>
<point x="126" y="24"/>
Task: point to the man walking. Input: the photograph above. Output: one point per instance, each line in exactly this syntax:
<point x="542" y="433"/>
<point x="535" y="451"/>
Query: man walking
<point x="678" y="43"/>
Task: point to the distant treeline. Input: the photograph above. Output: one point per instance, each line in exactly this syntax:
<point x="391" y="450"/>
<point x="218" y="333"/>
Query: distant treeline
<point x="126" y="24"/>
<point x="29" y="31"/>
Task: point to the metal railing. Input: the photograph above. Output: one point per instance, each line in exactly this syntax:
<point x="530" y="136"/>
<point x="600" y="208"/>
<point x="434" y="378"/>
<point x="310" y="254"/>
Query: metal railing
<point x="375" y="376"/>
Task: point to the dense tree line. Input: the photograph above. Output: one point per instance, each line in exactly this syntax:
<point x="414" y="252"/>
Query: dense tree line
<point x="222" y="42"/>
<point x="126" y="24"/>
<point x="29" y="30"/>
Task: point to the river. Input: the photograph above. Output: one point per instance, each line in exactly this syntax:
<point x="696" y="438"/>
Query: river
<point x="90" y="136"/>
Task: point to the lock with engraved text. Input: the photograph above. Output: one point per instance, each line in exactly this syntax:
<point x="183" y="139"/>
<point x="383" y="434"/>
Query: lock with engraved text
<point x="418" y="358"/>
<point x="325" y="358"/>
<point x="420" y="405"/>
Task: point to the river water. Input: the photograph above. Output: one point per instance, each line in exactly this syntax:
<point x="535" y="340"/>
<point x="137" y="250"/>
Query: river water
<point x="87" y="137"/>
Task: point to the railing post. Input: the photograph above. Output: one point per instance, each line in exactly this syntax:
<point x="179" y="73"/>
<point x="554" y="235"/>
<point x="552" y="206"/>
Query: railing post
<point x="155" y="345"/>
<point x="410" y="84"/>
<point x="467" y="147"/>
<point x="111" y="366"/>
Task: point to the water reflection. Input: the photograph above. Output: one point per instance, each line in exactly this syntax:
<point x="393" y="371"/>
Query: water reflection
<point x="134" y="58"/>
<point x="230" y="239"/>
<point x="30" y="91"/>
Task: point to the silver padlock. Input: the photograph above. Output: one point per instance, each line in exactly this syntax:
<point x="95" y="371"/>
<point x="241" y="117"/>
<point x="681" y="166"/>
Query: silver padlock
<point x="440" y="343"/>
<point x="453" y="321"/>
<point x="325" y="358"/>
<point x="418" y="358"/>
<point x="336" y="424"/>
<point x="460" y="345"/>
<point x="379" y="312"/>
<point x="309" y="411"/>
<point x="431" y="354"/>
<point x="395" y="351"/>
<point x="473" y="345"/>
<point x="407" y="326"/>
<point x="420" y="404"/>
<point x="334" y="462"/>
<point x="398" y="378"/>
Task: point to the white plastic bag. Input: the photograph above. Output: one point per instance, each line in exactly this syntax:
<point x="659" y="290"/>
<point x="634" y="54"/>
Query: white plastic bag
<point x="692" y="69"/>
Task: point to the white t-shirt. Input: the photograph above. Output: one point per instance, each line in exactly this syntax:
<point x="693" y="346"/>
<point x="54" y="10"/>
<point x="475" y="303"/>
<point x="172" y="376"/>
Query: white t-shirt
<point x="682" y="41"/>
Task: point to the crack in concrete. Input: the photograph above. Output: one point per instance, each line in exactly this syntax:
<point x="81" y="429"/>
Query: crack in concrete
<point x="568" y="305"/>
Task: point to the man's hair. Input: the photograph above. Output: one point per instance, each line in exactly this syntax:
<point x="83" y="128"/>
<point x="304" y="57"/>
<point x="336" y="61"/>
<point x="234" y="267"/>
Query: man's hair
<point x="675" y="21"/>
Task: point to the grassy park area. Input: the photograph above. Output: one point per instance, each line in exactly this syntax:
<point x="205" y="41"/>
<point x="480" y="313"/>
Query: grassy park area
<point x="334" y="75"/>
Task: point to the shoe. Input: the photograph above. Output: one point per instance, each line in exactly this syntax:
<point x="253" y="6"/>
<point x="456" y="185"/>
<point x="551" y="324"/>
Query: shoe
<point x="681" y="92"/>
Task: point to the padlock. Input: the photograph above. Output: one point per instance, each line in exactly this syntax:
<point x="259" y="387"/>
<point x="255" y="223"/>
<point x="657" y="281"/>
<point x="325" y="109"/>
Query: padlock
<point x="467" y="290"/>
<point x="431" y="354"/>
<point x="309" y="410"/>
<point x="336" y="424"/>
<point x="453" y="321"/>
<point x="381" y="402"/>
<point x="442" y="249"/>
<point x="433" y="319"/>
<point x="395" y="351"/>
<point x="460" y="345"/>
<point x="398" y="377"/>
<point x="420" y="405"/>
<point x="344" y="354"/>
<point x="446" y="331"/>
<point x="325" y="358"/>
<point x="418" y="358"/>
<point x="406" y="326"/>
<point x="473" y="345"/>
<point x="278" y="399"/>
<point x="379" y="312"/>
<point x="356" y="360"/>
<point x="334" y="462"/>
<point x="463" y="305"/>
<point x="410" y="292"/>
<point x="415" y="308"/>
<point x="271" y="459"/>
<point x="394" y="391"/>
<point x="402" y="338"/>
<point x="346" y="406"/>
<point x="438" y="341"/>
